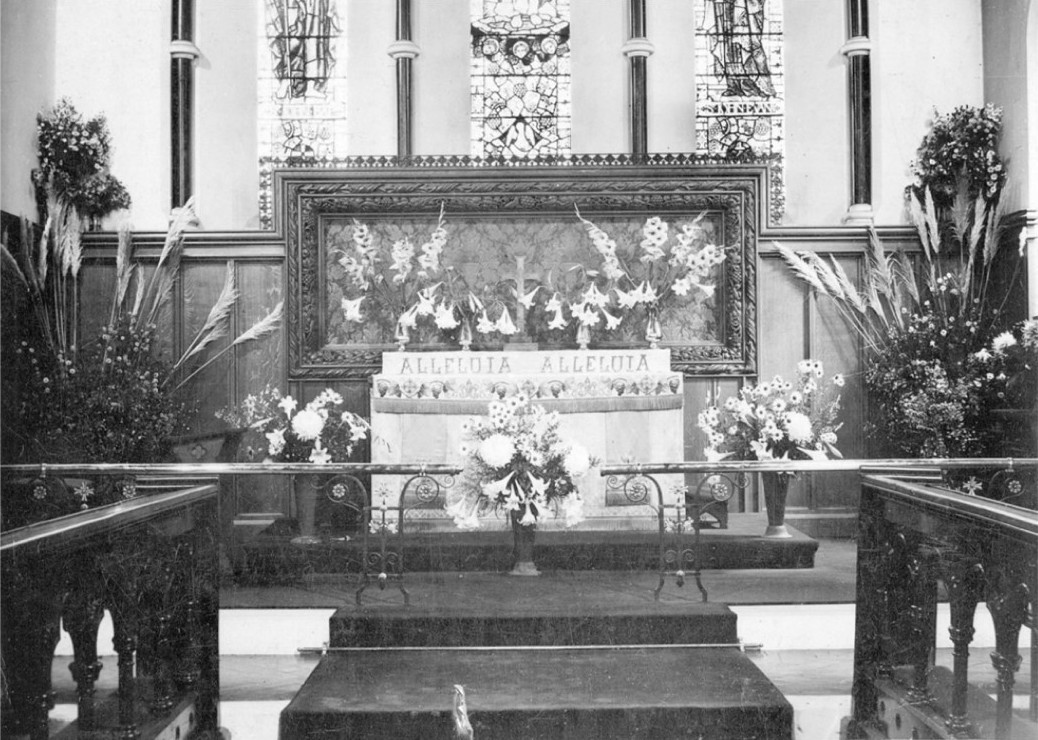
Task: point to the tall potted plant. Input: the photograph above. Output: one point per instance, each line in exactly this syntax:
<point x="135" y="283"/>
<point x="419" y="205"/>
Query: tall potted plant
<point x="926" y="319"/>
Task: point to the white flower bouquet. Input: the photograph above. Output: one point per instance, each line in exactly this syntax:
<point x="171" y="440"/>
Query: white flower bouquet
<point x="322" y="431"/>
<point x="517" y="461"/>
<point x="776" y="420"/>
<point x="662" y="268"/>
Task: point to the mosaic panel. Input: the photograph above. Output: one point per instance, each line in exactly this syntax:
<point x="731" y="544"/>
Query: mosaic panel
<point x="520" y="78"/>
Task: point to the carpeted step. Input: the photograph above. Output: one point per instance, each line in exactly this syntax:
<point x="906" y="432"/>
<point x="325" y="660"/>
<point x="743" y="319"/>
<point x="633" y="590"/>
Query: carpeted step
<point x="491" y="609"/>
<point x="274" y="554"/>
<point x="531" y="693"/>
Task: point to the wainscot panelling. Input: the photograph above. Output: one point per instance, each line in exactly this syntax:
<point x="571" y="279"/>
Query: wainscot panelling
<point x="792" y="324"/>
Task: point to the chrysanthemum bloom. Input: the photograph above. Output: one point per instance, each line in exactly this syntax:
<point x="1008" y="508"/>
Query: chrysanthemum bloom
<point x="308" y="424"/>
<point x="798" y="427"/>
<point x="497" y="450"/>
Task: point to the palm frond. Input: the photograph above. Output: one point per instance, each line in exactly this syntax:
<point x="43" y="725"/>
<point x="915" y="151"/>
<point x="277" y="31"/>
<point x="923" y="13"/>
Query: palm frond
<point x="961" y="208"/>
<point x="833" y="289"/>
<point x="915" y="210"/>
<point x="124" y="268"/>
<point x="10" y="263"/>
<point x="932" y="225"/>
<point x="800" y="267"/>
<point x="264" y="327"/>
<point x="851" y="293"/>
<point x="994" y="230"/>
<point x="216" y="323"/>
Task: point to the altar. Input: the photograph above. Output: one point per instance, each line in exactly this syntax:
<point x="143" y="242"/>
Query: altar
<point x="622" y="405"/>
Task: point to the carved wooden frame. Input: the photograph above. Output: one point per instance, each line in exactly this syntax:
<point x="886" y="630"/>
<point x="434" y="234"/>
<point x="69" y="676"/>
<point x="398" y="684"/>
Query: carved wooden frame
<point x="639" y="186"/>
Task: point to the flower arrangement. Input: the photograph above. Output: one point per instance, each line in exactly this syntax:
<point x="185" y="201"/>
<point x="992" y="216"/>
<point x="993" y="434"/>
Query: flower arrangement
<point x="517" y="461"/>
<point x="776" y="420"/>
<point x="658" y="271"/>
<point x="923" y="320"/>
<point x="320" y="432"/>
<point x="74" y="158"/>
<point x="961" y="150"/>
<point x="1012" y="359"/>
<point x="120" y="396"/>
<point x="403" y="286"/>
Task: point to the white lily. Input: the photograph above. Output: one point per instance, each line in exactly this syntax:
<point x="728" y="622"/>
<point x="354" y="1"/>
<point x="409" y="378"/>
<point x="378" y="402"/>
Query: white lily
<point x="351" y="309"/>
<point x="498" y="486"/>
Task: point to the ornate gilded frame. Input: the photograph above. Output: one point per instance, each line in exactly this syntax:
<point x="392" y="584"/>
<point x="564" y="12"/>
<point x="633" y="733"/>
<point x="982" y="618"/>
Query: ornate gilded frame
<point x="615" y="184"/>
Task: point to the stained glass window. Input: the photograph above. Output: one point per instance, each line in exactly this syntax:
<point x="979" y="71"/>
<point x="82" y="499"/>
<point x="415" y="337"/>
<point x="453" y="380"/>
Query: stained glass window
<point x="302" y="88"/>
<point x="739" y="78"/>
<point x="520" y="78"/>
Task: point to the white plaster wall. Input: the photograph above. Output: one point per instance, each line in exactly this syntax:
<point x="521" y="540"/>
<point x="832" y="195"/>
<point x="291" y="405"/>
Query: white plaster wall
<point x="817" y="128"/>
<point x="371" y="99"/>
<point x="440" y="118"/>
<point x="600" y="101"/>
<point x="26" y="88"/>
<point x="112" y="57"/>
<point x="926" y="54"/>
<point x="1005" y="84"/>
<point x="226" y="164"/>
<point x="671" y="76"/>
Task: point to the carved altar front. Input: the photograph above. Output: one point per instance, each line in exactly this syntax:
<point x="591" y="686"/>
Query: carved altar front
<point x="623" y="405"/>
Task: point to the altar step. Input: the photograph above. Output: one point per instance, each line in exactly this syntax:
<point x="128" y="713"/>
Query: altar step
<point x="272" y="556"/>
<point x="559" y="656"/>
<point x="589" y="693"/>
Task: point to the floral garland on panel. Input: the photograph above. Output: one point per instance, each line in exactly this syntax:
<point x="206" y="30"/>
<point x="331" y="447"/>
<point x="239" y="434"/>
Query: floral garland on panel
<point x="776" y="420"/>
<point x="516" y="461"/>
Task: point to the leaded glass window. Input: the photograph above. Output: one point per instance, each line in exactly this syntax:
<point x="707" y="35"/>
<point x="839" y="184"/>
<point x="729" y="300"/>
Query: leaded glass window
<point x="740" y="88"/>
<point x="302" y="88"/>
<point x="520" y="78"/>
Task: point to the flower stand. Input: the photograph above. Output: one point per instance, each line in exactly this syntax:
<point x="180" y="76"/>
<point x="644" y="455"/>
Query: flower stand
<point x="776" y="488"/>
<point x="524" y="536"/>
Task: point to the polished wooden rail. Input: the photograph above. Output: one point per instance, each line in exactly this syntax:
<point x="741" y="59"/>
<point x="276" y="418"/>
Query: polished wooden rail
<point x="152" y="563"/>
<point x="912" y="539"/>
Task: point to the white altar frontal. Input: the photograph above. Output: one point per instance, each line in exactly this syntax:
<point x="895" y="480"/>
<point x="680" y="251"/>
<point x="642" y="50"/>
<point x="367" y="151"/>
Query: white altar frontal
<point x="622" y="405"/>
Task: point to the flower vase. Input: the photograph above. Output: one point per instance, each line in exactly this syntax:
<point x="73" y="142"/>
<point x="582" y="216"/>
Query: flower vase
<point x="583" y="335"/>
<point x="653" y="328"/>
<point x="776" y="487"/>
<point x="401" y="335"/>
<point x="524" y="535"/>
<point x="305" y="488"/>
<point x="465" y="334"/>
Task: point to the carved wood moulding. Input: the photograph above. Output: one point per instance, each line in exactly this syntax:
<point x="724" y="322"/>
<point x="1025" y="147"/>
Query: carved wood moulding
<point x="620" y="189"/>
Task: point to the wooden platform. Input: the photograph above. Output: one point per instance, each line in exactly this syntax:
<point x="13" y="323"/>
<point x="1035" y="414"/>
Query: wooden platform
<point x="566" y="655"/>
<point x="594" y="693"/>
<point x="271" y="555"/>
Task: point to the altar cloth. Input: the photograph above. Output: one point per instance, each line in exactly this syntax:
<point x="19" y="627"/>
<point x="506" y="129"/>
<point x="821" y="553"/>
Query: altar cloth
<point x="622" y="405"/>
